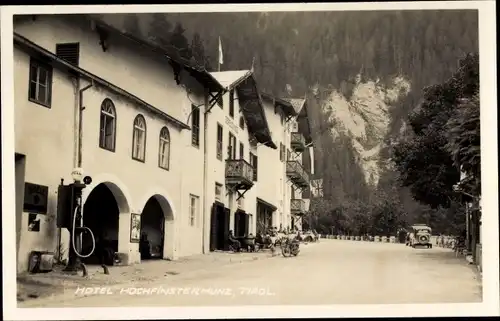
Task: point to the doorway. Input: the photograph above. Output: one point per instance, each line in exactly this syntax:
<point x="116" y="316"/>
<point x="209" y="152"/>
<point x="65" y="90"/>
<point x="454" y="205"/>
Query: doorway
<point x="241" y="223"/>
<point x="152" y="230"/>
<point x="101" y="215"/>
<point x="20" y="163"/>
<point x="264" y="217"/>
<point x="219" y="227"/>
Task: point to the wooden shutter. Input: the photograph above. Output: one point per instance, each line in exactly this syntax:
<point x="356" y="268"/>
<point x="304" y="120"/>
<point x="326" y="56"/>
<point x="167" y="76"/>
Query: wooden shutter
<point x="69" y="52"/>
<point x="227" y="214"/>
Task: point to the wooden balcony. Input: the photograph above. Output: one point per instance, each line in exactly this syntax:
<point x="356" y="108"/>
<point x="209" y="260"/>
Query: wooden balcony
<point x="298" y="142"/>
<point x="239" y="173"/>
<point x="297" y="206"/>
<point x="297" y="174"/>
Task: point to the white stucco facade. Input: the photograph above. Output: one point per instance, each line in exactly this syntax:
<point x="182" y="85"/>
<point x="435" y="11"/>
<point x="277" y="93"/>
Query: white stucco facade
<point x="137" y="83"/>
<point x="47" y="137"/>
<point x="220" y="116"/>
<point x="275" y="186"/>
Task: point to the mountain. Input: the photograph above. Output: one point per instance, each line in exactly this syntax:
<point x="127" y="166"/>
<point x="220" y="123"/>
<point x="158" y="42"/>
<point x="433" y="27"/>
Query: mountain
<point x="365" y="118"/>
<point x="363" y="72"/>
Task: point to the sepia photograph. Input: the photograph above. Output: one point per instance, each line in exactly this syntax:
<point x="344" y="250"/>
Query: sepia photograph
<point x="162" y="157"/>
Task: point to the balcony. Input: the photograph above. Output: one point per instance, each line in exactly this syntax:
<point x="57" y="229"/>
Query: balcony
<point x="239" y="173"/>
<point x="298" y="142"/>
<point x="297" y="206"/>
<point x="297" y="174"/>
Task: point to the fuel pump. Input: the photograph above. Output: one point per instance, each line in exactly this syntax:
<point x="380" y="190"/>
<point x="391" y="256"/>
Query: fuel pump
<point x="70" y="216"/>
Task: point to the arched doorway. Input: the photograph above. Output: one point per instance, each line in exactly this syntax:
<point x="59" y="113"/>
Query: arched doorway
<point x="156" y="228"/>
<point x="101" y="213"/>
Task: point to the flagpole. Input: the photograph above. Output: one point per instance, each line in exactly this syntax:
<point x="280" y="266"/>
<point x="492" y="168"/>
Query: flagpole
<point x="220" y="54"/>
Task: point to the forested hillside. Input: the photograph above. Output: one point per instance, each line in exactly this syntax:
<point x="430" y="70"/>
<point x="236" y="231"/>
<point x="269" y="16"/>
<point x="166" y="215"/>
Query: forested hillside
<point x="317" y="53"/>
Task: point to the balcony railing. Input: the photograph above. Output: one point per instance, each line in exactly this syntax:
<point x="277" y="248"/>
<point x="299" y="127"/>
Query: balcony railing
<point x="297" y="174"/>
<point x="298" y="142"/>
<point x="239" y="172"/>
<point x="297" y="206"/>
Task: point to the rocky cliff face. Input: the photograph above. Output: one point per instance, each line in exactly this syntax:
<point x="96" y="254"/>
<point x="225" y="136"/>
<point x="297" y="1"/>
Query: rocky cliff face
<point x="365" y="118"/>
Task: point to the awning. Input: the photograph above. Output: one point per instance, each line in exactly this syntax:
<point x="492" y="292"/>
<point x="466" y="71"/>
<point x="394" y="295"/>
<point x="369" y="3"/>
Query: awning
<point x="267" y="204"/>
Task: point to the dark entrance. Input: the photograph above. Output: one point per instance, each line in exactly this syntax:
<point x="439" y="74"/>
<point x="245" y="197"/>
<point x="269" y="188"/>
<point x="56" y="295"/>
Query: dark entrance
<point x="152" y="230"/>
<point x="20" y="161"/>
<point x="101" y="215"/>
<point x="241" y="223"/>
<point x="219" y="227"/>
<point x="264" y="216"/>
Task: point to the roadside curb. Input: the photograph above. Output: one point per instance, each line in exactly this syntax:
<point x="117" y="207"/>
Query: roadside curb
<point x="205" y="265"/>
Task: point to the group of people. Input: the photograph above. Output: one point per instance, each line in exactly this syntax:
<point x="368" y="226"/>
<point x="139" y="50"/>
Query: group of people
<point x="447" y="240"/>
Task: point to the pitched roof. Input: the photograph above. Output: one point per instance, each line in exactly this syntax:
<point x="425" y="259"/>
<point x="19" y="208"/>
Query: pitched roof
<point x="296" y="103"/>
<point x="230" y="79"/>
<point x="285" y="105"/>
<point x="250" y="102"/>
<point x="304" y="121"/>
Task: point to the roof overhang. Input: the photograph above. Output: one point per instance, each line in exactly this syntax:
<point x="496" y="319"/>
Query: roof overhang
<point x="284" y="105"/>
<point x="171" y="55"/>
<point x="37" y="51"/>
<point x="304" y="122"/>
<point x="250" y="102"/>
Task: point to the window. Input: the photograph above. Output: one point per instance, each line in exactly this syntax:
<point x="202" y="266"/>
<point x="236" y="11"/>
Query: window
<point x="220" y="133"/>
<point x="193" y="209"/>
<point x="282" y="152"/>
<point x="107" y="132"/>
<point x="218" y="191"/>
<point x="231" y="103"/>
<point x="242" y="150"/>
<point x="164" y="150"/>
<point x="40" y="86"/>
<point x="195" y="126"/>
<point x="242" y="122"/>
<point x="231" y="147"/>
<point x="288" y="154"/>
<point x="139" y="139"/>
<point x="69" y="52"/>
<point x="253" y="162"/>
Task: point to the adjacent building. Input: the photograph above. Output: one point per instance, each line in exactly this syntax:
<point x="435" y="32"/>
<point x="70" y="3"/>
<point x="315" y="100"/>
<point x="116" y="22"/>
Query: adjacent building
<point x="178" y="156"/>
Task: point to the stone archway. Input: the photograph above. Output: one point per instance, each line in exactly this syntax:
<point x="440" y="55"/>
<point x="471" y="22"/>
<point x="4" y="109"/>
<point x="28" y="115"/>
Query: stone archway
<point x="106" y="212"/>
<point x="157" y="229"/>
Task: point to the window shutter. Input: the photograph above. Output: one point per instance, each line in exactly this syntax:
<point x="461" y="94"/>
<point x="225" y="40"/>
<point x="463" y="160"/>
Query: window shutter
<point x="69" y="52"/>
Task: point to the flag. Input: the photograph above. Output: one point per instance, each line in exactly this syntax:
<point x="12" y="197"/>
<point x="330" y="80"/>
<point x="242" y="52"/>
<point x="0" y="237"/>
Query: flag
<point x="221" y="56"/>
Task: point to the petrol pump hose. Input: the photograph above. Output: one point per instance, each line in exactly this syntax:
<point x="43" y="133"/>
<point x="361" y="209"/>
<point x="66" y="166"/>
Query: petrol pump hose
<point x="85" y="228"/>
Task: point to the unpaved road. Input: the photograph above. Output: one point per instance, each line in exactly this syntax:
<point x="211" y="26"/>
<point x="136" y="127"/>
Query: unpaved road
<point x="329" y="272"/>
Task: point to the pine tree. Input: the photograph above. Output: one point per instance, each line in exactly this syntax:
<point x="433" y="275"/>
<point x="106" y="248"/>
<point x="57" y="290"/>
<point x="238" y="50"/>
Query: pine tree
<point x="179" y="41"/>
<point x="198" y="51"/>
<point x="159" y="30"/>
<point x="131" y="25"/>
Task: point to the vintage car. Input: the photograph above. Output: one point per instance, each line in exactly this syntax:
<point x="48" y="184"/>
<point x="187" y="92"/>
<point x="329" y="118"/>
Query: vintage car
<point x="420" y="236"/>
